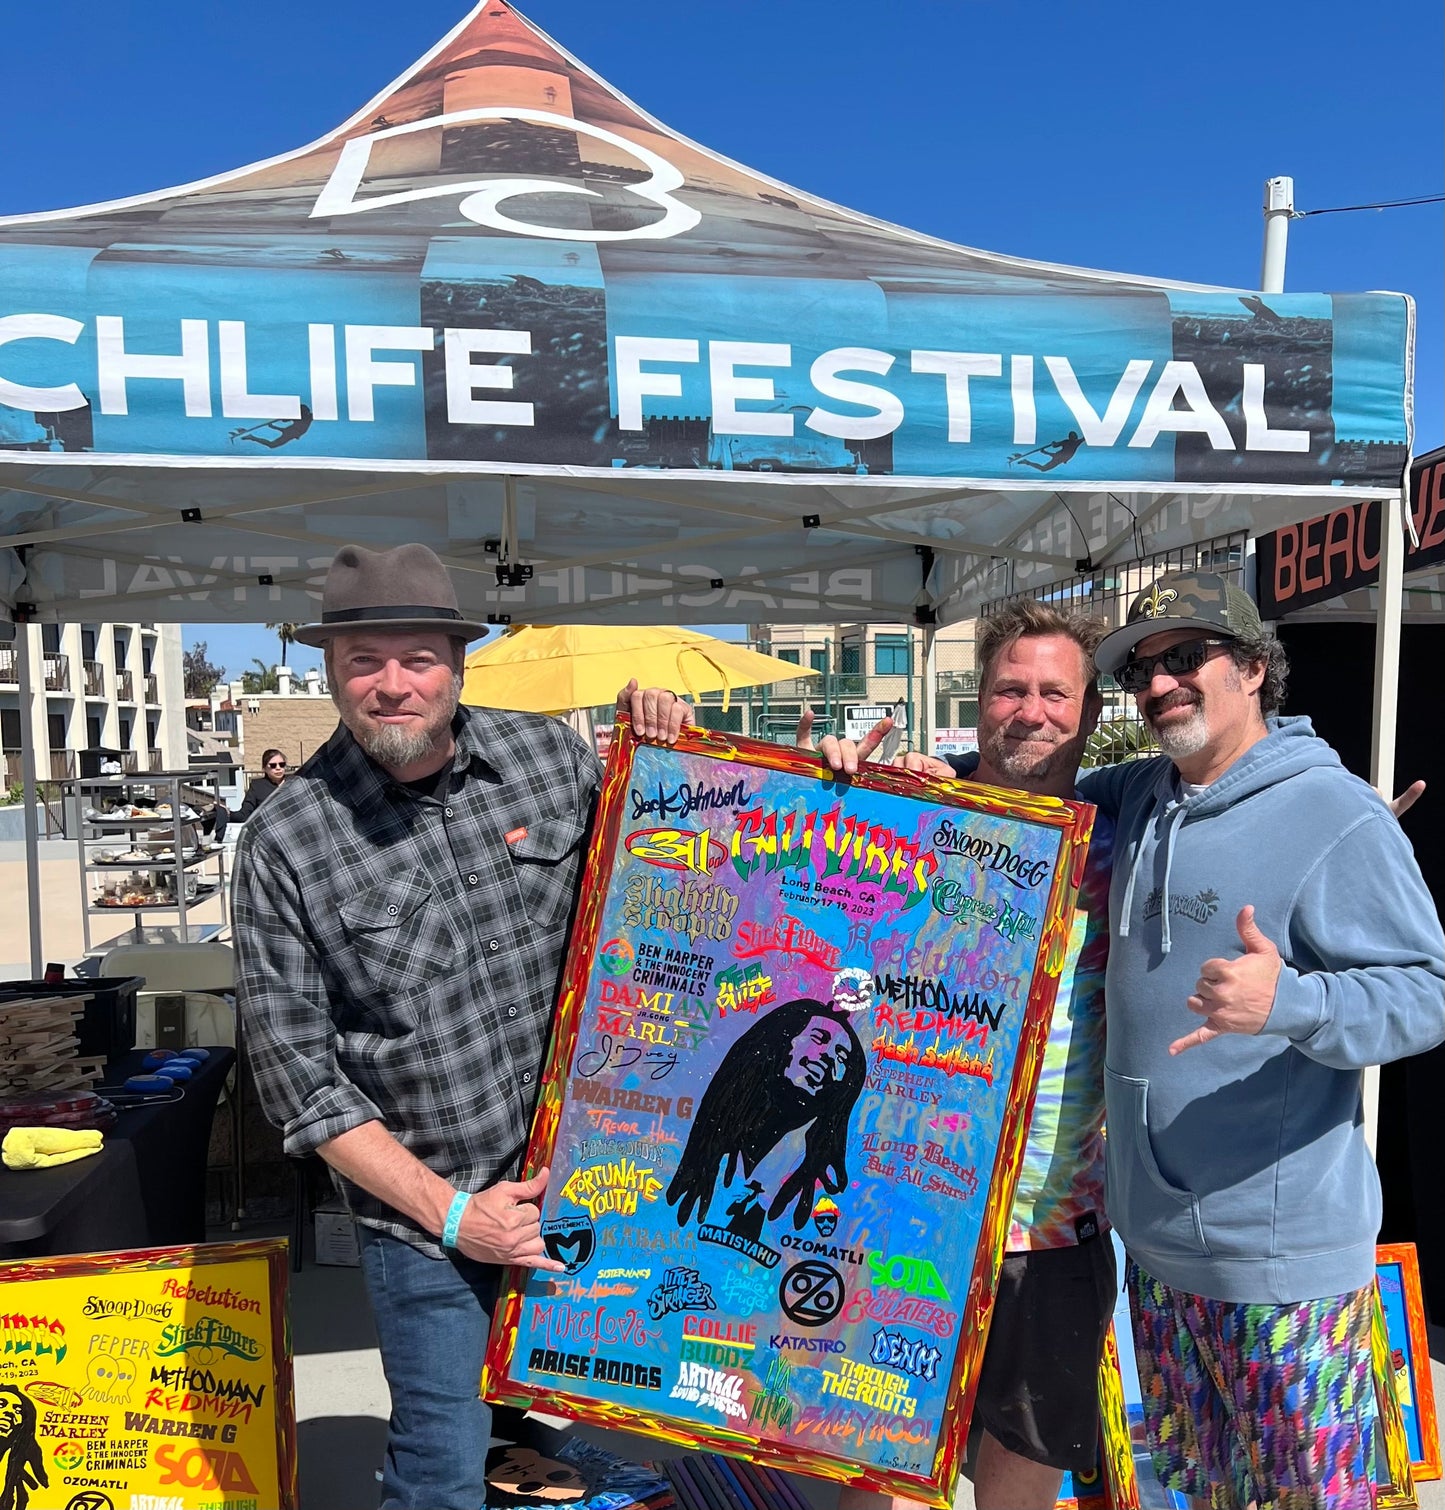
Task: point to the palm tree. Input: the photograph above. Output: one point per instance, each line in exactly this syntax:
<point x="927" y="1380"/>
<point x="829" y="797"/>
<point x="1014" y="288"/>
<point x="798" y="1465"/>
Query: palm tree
<point x="262" y="679"/>
<point x="286" y="633"/>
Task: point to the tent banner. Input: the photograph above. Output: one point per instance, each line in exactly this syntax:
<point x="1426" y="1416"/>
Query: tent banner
<point x="502" y="263"/>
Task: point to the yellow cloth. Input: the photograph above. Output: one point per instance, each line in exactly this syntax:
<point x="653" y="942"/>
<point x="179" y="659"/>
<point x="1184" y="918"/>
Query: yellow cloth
<point x="44" y="1147"/>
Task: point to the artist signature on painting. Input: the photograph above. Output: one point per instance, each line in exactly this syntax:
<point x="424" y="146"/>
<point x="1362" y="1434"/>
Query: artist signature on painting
<point x="611" y="1053"/>
<point x="686" y="800"/>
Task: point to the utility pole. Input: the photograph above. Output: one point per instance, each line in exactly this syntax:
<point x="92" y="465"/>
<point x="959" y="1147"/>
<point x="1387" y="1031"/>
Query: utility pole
<point x="1278" y="212"/>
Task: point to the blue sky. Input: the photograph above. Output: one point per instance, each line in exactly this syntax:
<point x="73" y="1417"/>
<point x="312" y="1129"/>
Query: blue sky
<point x="1128" y="136"/>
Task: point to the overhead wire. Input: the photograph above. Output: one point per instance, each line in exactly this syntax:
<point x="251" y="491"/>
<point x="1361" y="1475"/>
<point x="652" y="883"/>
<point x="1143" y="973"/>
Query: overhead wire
<point x="1383" y="204"/>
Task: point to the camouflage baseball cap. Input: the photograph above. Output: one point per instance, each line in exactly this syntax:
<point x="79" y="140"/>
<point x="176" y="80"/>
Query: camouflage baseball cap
<point x="1180" y="600"/>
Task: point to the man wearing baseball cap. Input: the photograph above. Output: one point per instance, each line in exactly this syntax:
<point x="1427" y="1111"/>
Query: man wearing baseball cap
<point x="402" y="908"/>
<point x="1271" y="937"/>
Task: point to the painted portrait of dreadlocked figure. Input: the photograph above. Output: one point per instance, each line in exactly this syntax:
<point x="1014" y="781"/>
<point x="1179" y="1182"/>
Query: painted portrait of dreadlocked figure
<point x="800" y="1067"/>
<point x="22" y="1467"/>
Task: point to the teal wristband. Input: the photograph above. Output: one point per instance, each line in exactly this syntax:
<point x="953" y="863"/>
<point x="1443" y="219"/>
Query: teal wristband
<point x="453" y="1224"/>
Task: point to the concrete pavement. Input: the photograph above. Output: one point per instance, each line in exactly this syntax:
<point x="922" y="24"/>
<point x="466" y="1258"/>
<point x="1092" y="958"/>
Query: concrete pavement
<point x="62" y="925"/>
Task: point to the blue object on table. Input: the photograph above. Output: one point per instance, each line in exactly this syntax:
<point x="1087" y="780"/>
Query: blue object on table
<point x="176" y="1069"/>
<point x="158" y="1057"/>
<point x="149" y="1085"/>
<point x="196" y="1056"/>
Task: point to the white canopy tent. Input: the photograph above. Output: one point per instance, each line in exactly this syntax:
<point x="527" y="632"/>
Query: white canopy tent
<point x="611" y="376"/>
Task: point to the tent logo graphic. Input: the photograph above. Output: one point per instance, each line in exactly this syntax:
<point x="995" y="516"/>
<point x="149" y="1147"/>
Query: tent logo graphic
<point x="483" y="198"/>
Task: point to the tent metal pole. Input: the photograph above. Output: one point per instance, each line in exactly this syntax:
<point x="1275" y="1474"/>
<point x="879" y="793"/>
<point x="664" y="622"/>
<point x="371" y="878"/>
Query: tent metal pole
<point x="1387" y="695"/>
<point x="930" y="687"/>
<point x="1278" y="212"/>
<point x="1387" y="646"/>
<point x="26" y="686"/>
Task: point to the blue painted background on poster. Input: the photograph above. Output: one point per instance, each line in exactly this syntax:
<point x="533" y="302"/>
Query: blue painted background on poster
<point x="1402" y="1360"/>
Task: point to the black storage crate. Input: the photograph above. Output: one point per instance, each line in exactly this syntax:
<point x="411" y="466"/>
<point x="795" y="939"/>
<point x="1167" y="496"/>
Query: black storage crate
<point x="108" y="1027"/>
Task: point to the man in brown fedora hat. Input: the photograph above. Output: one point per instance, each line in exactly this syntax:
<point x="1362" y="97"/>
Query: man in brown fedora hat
<point x="402" y="907"/>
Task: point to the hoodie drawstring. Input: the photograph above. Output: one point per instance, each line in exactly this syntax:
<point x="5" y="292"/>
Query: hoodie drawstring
<point x="1172" y="820"/>
<point x="1173" y="816"/>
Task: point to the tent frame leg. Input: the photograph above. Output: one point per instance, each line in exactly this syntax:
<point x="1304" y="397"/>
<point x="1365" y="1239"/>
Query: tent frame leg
<point x="1388" y="605"/>
<point x="26" y="685"/>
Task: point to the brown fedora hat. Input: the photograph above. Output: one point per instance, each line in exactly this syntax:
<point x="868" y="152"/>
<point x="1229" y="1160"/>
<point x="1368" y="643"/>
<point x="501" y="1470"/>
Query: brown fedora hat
<point x="387" y="591"/>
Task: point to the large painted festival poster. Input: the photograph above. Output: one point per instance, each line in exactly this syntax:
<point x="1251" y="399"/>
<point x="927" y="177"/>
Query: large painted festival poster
<point x="798" y="1040"/>
<point x="158" y="1379"/>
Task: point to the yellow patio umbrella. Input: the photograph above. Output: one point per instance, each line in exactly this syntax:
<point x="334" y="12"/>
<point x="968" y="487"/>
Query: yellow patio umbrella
<point x="545" y="668"/>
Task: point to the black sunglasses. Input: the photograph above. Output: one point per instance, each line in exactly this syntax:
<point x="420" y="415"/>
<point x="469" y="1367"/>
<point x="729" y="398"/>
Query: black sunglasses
<point x="1179" y="660"/>
<point x="275" y="765"/>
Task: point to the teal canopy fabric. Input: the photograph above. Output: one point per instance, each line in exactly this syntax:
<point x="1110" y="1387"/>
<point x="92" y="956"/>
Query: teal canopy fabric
<point x="608" y="374"/>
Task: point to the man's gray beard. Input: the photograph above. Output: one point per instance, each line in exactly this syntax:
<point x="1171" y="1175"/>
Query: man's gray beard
<point x="1180" y="741"/>
<point x="395" y="748"/>
<point x="1002" y="755"/>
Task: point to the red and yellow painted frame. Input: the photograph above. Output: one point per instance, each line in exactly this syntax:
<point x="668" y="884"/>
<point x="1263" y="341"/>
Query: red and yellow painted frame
<point x="1394" y="1478"/>
<point x="162" y="1373"/>
<point x="917" y="931"/>
<point x="1407" y="1349"/>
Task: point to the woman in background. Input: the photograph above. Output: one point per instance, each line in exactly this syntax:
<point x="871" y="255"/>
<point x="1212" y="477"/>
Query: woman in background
<point x="273" y="773"/>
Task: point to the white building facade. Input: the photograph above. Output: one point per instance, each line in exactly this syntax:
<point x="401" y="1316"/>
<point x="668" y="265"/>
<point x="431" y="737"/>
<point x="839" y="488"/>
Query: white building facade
<point x="99" y="686"/>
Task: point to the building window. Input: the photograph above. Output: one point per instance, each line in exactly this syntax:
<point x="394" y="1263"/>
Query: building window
<point x="953" y="712"/>
<point x="790" y="656"/>
<point x="849" y="659"/>
<point x="890" y="655"/>
<point x="818" y="660"/>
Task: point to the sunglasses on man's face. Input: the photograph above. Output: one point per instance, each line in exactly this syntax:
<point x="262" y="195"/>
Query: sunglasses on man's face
<point x="1179" y="660"/>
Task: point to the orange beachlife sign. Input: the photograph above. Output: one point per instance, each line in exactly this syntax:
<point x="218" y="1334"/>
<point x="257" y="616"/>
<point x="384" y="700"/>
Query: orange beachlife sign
<point x="159" y="1377"/>
<point x="1305" y="564"/>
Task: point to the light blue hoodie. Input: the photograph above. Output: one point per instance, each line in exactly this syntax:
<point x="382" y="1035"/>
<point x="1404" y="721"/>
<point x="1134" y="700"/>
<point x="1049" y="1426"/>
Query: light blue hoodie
<point x="1238" y="1169"/>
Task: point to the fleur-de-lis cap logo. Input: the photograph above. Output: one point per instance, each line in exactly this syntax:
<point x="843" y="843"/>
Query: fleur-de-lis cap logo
<point x="1159" y="598"/>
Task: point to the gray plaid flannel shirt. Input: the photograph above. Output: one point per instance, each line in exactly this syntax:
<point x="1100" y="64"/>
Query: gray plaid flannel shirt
<point x="398" y="956"/>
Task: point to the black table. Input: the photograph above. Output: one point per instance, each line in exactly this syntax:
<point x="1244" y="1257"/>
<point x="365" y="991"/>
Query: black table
<point x="146" y="1188"/>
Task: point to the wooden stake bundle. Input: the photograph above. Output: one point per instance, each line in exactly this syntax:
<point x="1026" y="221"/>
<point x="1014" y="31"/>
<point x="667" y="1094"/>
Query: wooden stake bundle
<point x="39" y="1047"/>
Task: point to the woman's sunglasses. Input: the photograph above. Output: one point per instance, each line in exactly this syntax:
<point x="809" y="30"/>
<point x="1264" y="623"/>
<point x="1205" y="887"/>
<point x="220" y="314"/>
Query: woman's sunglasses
<point x="275" y="765"/>
<point x="1179" y="660"/>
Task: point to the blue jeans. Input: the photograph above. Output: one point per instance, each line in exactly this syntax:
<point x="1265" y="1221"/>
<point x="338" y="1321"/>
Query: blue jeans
<point x="432" y="1320"/>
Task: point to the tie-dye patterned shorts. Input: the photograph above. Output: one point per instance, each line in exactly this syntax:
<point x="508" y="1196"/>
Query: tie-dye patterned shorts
<point x="1257" y="1404"/>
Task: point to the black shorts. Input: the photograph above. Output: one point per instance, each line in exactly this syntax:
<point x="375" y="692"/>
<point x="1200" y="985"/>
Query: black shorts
<point x="1038" y="1391"/>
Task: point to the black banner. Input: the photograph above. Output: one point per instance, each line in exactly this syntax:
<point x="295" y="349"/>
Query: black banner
<point x="1304" y="564"/>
